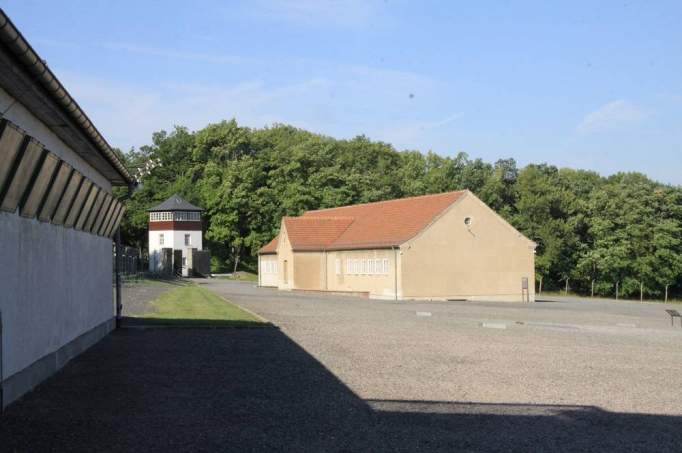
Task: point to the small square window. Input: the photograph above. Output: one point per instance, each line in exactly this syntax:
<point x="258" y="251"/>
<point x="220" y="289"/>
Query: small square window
<point x="161" y="239"/>
<point x="188" y="239"/>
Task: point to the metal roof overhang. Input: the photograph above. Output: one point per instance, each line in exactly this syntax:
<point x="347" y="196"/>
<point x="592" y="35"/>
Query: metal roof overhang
<point x="28" y="79"/>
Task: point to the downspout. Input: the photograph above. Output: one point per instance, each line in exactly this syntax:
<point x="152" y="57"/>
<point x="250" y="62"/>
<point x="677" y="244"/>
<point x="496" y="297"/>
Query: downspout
<point x="117" y="267"/>
<point x="326" y="286"/>
<point x="395" y="271"/>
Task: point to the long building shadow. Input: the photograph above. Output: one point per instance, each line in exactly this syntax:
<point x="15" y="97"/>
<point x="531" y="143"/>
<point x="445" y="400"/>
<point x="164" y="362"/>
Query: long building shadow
<point x="257" y="390"/>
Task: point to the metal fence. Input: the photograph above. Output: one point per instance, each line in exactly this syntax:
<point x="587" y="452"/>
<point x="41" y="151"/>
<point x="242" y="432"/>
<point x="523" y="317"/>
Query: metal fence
<point x="131" y="264"/>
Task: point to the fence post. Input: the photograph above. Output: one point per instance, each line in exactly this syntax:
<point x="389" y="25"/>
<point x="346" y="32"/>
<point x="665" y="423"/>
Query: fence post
<point x="117" y="271"/>
<point x="592" y="292"/>
<point x="666" y="293"/>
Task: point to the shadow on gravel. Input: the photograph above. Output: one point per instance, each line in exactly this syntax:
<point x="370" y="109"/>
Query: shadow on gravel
<point x="150" y="322"/>
<point x="256" y="390"/>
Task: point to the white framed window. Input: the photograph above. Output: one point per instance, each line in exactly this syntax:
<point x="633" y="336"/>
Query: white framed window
<point x="160" y="216"/>
<point x="385" y="266"/>
<point x="337" y="265"/>
<point x="372" y="267"/>
<point x="188" y="239"/>
<point x="184" y="261"/>
<point x="269" y="267"/>
<point x="363" y="267"/>
<point x="161" y="238"/>
<point x="186" y="216"/>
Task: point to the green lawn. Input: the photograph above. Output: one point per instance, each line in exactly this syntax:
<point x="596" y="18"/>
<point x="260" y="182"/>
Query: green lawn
<point x="193" y="305"/>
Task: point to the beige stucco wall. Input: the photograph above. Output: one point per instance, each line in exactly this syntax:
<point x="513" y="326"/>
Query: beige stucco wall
<point x="309" y="270"/>
<point x="377" y="285"/>
<point x="317" y="271"/>
<point x="487" y="261"/>
<point x="285" y="258"/>
<point x="267" y="275"/>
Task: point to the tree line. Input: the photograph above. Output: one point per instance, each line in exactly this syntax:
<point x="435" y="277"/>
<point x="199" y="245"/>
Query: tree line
<point x="594" y="234"/>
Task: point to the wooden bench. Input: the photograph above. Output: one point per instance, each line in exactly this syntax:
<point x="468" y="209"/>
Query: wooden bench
<point x="674" y="314"/>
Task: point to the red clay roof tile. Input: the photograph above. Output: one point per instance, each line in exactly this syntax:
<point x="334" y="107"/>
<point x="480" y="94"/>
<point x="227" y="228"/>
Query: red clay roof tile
<point x="369" y="225"/>
<point x="270" y="247"/>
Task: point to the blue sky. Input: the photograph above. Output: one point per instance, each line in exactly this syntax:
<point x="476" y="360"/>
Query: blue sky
<point x="594" y="85"/>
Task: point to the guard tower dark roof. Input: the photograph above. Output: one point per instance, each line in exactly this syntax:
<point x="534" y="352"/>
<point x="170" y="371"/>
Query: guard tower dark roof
<point x="175" y="203"/>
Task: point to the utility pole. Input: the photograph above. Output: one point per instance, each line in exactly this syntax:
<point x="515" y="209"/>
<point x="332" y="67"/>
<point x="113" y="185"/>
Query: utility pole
<point x="617" y="289"/>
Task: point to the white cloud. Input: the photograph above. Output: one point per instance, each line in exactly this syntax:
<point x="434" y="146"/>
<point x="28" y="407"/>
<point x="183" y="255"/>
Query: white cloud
<point x="127" y="115"/>
<point x="177" y="55"/>
<point x="410" y="134"/>
<point x="338" y="100"/>
<point x="613" y="114"/>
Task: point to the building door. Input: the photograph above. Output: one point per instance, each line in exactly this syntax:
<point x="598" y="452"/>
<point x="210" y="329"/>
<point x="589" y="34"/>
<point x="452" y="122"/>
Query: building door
<point x="285" y="272"/>
<point x="177" y="262"/>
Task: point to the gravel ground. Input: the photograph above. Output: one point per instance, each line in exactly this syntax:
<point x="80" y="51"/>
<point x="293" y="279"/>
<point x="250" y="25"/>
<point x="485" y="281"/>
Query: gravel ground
<point x="622" y="357"/>
<point x="345" y="374"/>
<point x="136" y="296"/>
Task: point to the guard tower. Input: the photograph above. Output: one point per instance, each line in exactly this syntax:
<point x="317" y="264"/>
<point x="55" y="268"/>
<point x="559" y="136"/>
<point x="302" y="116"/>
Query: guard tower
<point x="174" y="233"/>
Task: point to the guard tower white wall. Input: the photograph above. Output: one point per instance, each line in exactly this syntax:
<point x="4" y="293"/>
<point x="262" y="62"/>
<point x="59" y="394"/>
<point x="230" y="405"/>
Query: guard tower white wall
<point x="175" y="224"/>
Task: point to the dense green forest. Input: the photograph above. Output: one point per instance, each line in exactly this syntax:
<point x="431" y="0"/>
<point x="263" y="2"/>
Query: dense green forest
<point x="623" y="228"/>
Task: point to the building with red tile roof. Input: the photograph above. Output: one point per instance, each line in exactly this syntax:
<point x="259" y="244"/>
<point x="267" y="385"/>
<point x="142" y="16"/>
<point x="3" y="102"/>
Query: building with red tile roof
<point x="439" y="246"/>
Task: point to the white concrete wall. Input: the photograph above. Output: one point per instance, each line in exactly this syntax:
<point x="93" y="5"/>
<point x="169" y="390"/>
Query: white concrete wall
<point x="155" y="247"/>
<point x="55" y="285"/>
<point x="179" y="241"/>
<point x="22" y="117"/>
<point x="174" y="239"/>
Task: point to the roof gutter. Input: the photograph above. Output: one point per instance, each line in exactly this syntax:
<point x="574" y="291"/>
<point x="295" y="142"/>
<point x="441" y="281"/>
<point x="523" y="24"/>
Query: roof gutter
<point x="34" y="65"/>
